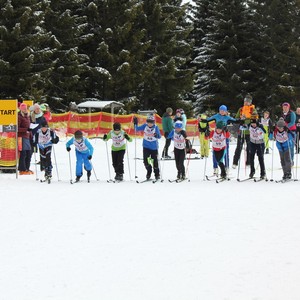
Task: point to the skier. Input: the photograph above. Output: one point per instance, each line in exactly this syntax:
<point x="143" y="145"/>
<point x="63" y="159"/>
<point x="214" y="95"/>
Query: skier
<point x="268" y="126"/>
<point x="44" y="139"/>
<point x="298" y="129"/>
<point x="218" y="137"/>
<point x="284" y="139"/>
<point x="150" y="144"/>
<point x="167" y="125"/>
<point x="223" y="117"/>
<point x="244" y="113"/>
<point x="289" y="118"/>
<point x="118" y="148"/>
<point x="84" y="152"/>
<point x="178" y="135"/>
<point x="257" y="146"/>
<point x="203" y="132"/>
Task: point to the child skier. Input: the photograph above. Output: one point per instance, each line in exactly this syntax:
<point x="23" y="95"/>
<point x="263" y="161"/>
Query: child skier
<point x="84" y="152"/>
<point x="150" y="144"/>
<point x="284" y="139"/>
<point x="44" y="139"/>
<point x="118" y="148"/>
<point x="268" y="125"/>
<point x="203" y="132"/>
<point x="257" y="146"/>
<point x="218" y="137"/>
<point x="178" y="135"/>
<point x="223" y="117"/>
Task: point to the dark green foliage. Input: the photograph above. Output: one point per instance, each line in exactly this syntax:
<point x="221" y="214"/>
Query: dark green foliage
<point x="26" y="48"/>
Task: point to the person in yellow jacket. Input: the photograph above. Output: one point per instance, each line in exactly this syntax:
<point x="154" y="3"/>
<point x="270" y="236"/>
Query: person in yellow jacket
<point x="244" y="113"/>
<point x="203" y="132"/>
<point x="268" y="126"/>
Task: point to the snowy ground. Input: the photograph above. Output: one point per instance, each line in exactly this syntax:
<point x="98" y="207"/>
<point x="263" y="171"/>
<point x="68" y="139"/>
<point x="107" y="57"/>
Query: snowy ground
<point x="165" y="241"/>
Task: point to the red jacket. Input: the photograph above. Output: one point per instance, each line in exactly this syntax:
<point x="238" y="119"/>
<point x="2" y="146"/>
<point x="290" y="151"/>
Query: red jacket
<point x="23" y="125"/>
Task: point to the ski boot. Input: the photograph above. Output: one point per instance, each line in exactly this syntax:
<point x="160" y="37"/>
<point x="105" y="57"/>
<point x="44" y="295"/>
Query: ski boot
<point x="216" y="172"/>
<point x="88" y="176"/>
<point x="251" y="175"/>
<point x="77" y="178"/>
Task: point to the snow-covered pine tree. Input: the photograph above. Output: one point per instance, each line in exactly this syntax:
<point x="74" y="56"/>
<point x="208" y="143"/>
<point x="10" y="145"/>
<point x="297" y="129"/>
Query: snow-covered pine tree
<point x="117" y="49"/>
<point x="279" y="39"/>
<point x="26" y="48"/>
<point x="223" y="58"/>
<point x="67" y="80"/>
<point x="170" y="77"/>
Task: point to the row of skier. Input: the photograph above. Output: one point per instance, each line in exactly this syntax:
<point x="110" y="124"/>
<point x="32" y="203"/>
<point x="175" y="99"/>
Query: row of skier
<point x="250" y="128"/>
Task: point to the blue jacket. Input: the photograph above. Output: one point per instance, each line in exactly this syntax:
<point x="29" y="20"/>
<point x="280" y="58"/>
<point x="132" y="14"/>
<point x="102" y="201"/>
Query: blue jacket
<point x="219" y="118"/>
<point x="151" y="134"/>
<point x="83" y="147"/>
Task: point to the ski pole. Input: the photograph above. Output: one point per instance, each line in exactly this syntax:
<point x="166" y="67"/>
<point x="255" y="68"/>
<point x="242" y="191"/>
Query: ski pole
<point x="241" y="146"/>
<point x="35" y="166"/>
<point x="108" y="164"/>
<point x="188" y="160"/>
<point x="272" y="165"/>
<point x="127" y="154"/>
<point x="71" y="180"/>
<point x="55" y="162"/>
<point x="297" y="152"/>
<point x="205" y="163"/>
<point x="135" y="158"/>
<point x="94" y="171"/>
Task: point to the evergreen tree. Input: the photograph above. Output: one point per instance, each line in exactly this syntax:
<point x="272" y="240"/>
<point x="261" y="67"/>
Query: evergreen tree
<point x="67" y="81"/>
<point x="279" y="43"/>
<point x="224" y="60"/>
<point x="169" y="52"/>
<point x="26" y="48"/>
<point x="117" y="49"/>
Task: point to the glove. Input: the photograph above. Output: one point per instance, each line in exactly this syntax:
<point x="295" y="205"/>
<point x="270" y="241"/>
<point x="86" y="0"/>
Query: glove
<point x="135" y="120"/>
<point x="104" y="136"/>
<point x="207" y="133"/>
<point x="155" y="135"/>
<point x="126" y="136"/>
<point x="68" y="149"/>
<point x="89" y="157"/>
<point x="29" y="129"/>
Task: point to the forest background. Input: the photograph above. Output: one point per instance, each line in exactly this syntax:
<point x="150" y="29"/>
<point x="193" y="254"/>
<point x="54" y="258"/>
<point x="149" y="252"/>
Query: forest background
<point x="151" y="54"/>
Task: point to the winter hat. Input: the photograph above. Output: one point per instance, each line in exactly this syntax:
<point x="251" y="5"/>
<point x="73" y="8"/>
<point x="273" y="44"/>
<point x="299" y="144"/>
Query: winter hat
<point x="117" y="126"/>
<point x="36" y="106"/>
<point x="150" y="119"/>
<point x="223" y="107"/>
<point x="169" y="110"/>
<point x="178" y="110"/>
<point x="253" y="120"/>
<point x="286" y="104"/>
<point x="220" y="125"/>
<point x="203" y="116"/>
<point x="78" y="134"/>
<point x="248" y="98"/>
<point x="43" y="107"/>
<point x="280" y="123"/>
<point x="178" y="124"/>
<point x="23" y="106"/>
<point x="44" y="123"/>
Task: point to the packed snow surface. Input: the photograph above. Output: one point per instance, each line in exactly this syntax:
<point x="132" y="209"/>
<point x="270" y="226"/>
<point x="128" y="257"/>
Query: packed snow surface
<point x="164" y="241"/>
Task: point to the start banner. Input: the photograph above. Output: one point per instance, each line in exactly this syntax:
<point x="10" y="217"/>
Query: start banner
<point x="8" y="132"/>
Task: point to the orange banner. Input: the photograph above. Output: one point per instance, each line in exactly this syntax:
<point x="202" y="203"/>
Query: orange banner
<point x="96" y="124"/>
